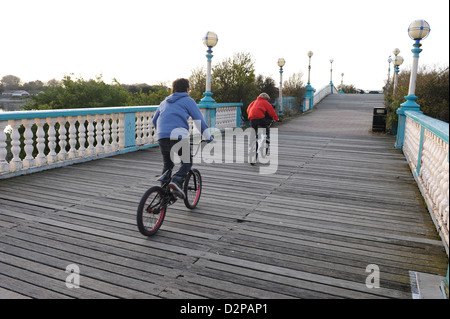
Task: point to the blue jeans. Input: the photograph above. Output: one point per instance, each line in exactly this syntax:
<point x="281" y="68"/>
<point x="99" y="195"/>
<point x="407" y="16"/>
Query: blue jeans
<point x="166" y="145"/>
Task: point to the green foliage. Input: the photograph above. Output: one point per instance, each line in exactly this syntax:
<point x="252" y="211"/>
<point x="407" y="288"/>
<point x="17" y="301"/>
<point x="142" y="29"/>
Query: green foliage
<point x="154" y="96"/>
<point x="80" y="93"/>
<point x="294" y="87"/>
<point x="197" y="84"/>
<point x="432" y="90"/>
<point x="267" y="85"/>
<point x="348" y="89"/>
<point x="233" y="80"/>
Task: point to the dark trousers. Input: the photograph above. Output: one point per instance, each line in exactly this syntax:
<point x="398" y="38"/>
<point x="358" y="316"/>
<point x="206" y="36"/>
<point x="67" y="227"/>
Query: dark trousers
<point x="260" y="123"/>
<point x="166" y="145"/>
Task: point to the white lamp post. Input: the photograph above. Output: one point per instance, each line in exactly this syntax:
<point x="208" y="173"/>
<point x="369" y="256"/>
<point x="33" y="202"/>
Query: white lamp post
<point x="310" y="54"/>
<point x="398" y="60"/>
<point x="331" y="75"/>
<point x="309" y="96"/>
<point x="209" y="40"/>
<point x="418" y="30"/>
<point x="342" y="84"/>
<point x="281" y="63"/>
<point x="389" y="73"/>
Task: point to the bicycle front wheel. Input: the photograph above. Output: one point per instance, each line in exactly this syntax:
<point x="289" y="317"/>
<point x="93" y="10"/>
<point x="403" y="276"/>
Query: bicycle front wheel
<point x="151" y="211"/>
<point x="192" y="188"/>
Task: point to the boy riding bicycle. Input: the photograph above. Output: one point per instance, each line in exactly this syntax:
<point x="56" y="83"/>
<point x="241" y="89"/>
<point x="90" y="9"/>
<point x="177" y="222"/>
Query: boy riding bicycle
<point x="172" y="126"/>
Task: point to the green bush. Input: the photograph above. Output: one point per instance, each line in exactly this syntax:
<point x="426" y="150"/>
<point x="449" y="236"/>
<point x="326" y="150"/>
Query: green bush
<point x="80" y="93"/>
<point x="432" y="90"/>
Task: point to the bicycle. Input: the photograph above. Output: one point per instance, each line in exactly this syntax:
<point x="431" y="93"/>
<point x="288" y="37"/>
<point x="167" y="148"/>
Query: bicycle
<point x="262" y="145"/>
<point x="153" y="205"/>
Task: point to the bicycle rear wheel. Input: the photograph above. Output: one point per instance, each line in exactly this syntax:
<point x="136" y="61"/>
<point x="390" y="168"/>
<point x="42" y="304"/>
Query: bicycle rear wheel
<point x="192" y="188"/>
<point x="151" y="211"/>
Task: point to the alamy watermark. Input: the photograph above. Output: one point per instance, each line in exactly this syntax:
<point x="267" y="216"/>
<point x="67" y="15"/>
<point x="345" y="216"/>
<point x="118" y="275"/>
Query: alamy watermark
<point x="373" y="279"/>
<point x="234" y="145"/>
<point x="73" y="279"/>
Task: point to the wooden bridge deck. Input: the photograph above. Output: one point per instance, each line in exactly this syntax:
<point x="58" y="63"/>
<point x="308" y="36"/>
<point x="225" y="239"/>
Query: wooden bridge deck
<point x="342" y="199"/>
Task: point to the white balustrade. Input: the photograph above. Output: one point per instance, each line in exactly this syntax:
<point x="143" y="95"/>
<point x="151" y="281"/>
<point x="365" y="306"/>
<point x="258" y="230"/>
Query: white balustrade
<point x="427" y="151"/>
<point x="323" y="92"/>
<point x="36" y="140"/>
<point x="411" y="145"/>
<point x="225" y="117"/>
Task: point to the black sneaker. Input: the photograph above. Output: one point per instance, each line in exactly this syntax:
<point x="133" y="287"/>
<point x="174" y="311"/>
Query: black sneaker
<point x="177" y="186"/>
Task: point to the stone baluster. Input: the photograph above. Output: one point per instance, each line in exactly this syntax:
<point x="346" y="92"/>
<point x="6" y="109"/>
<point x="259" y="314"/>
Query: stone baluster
<point x="62" y="155"/>
<point x="73" y="153"/>
<point x="145" y="128"/>
<point x="52" y="157"/>
<point x="106" y="134"/>
<point x="90" y="133"/>
<point x="15" y="163"/>
<point x="151" y="131"/>
<point x="122" y="131"/>
<point x="99" y="134"/>
<point x="138" y="128"/>
<point x="82" y="136"/>
<point x="4" y="165"/>
<point x="41" y="159"/>
<point x="28" y="161"/>
<point x="114" y="134"/>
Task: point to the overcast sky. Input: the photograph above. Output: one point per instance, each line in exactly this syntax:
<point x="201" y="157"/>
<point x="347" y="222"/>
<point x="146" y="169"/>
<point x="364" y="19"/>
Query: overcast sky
<point x="146" y="41"/>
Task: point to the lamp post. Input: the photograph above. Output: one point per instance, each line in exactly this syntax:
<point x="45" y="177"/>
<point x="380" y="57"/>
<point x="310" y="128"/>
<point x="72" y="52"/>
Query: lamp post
<point x="418" y="30"/>
<point x="398" y="60"/>
<point x="209" y="40"/>
<point x="281" y="63"/>
<point x="331" y="75"/>
<point x="309" y="96"/>
<point x="388" y="83"/>
<point x="342" y="84"/>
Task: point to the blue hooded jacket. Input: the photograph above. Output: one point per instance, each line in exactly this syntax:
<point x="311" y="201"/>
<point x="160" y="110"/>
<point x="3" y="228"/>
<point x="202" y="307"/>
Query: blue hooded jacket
<point x="171" y="118"/>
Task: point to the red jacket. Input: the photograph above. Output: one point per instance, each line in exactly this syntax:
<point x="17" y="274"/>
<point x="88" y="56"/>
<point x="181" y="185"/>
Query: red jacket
<point x="258" y="108"/>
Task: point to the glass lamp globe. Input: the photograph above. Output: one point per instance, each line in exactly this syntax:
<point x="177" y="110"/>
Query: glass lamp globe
<point x="396" y="51"/>
<point x="310" y="53"/>
<point x="281" y="62"/>
<point x="418" y="30"/>
<point x="398" y="60"/>
<point x="210" y="39"/>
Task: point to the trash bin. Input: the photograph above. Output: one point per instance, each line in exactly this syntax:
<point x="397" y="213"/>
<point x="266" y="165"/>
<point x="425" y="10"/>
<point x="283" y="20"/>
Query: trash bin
<point x="379" y="119"/>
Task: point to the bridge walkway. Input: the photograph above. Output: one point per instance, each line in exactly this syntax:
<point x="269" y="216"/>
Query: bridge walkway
<point x="342" y="200"/>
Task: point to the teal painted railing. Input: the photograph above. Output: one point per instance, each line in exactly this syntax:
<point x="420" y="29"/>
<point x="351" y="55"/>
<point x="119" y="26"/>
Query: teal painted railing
<point x="309" y="103"/>
<point x="426" y="148"/>
<point x="32" y="141"/>
<point x="291" y="105"/>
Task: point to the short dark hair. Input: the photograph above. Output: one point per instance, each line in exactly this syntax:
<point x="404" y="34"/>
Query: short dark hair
<point x="180" y="85"/>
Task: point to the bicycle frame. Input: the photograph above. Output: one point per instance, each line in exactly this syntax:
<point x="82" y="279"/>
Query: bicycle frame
<point x="262" y="139"/>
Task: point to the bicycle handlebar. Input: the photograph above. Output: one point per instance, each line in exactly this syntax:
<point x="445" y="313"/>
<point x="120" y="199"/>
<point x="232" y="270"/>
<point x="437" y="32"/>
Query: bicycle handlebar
<point x="199" y="145"/>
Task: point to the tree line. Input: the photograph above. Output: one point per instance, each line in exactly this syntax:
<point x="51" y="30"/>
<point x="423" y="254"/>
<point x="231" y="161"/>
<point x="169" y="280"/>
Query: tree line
<point x="233" y="80"/>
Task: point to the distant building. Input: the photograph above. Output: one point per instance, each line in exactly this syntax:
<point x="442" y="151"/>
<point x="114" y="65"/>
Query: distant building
<point x="16" y="93"/>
